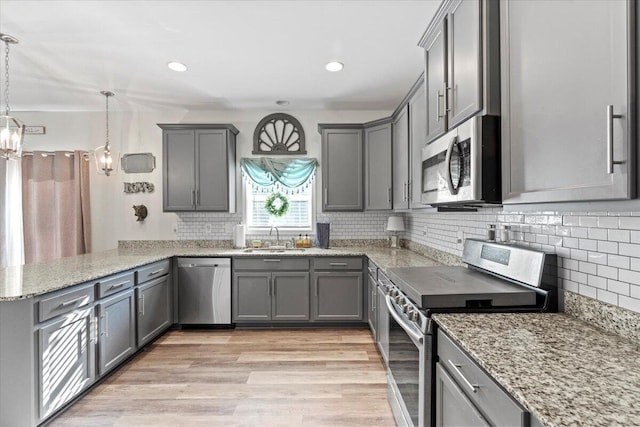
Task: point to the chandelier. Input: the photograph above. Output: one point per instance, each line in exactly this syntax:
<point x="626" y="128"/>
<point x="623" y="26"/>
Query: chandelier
<point x="107" y="159"/>
<point x="11" y="129"/>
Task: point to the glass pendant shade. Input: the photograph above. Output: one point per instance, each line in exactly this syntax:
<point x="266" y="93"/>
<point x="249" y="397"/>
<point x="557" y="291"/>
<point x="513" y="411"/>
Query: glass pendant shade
<point x="11" y="137"/>
<point x="107" y="160"/>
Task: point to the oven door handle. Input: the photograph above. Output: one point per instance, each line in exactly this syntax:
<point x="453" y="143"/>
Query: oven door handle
<point x="415" y="336"/>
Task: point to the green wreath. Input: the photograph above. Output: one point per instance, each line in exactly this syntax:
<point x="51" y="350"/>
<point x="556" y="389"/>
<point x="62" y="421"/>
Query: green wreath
<point x="276" y="204"/>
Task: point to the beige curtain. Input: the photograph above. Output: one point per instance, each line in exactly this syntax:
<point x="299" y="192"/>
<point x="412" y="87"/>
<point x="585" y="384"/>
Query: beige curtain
<point x="11" y="239"/>
<point x="56" y="208"/>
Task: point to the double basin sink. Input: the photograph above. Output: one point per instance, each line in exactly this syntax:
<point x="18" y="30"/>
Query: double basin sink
<point x="273" y="250"/>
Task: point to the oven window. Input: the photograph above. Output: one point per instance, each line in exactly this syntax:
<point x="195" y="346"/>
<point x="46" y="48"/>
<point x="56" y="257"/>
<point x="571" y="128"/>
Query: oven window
<point x="404" y="364"/>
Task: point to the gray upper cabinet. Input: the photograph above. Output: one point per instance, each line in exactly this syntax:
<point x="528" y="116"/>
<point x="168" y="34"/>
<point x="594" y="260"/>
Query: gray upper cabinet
<point x="568" y="125"/>
<point x="417" y="140"/>
<point x="199" y="167"/>
<point x="401" y="159"/>
<point x="342" y="167"/>
<point x="462" y="63"/>
<point x="117" y="330"/>
<point x="435" y="81"/>
<point x="378" y="185"/>
<point x="463" y="86"/>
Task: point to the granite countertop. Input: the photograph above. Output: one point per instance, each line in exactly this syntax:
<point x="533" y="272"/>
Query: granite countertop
<point x="562" y="369"/>
<point x="36" y="279"/>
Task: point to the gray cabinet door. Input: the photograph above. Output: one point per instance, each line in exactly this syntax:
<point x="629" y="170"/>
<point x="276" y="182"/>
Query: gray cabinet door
<point x="558" y="138"/>
<point x="378" y="173"/>
<point x="342" y="170"/>
<point x="401" y="160"/>
<point x="212" y="170"/>
<point x="154" y="309"/>
<point x="179" y="170"/>
<point x="251" y="297"/>
<point x="453" y="408"/>
<point x="117" y="330"/>
<point x="337" y="296"/>
<point x="66" y="359"/>
<point x="435" y="82"/>
<point x="417" y="140"/>
<point x="464" y="54"/>
<point x="290" y="299"/>
<point x="372" y="302"/>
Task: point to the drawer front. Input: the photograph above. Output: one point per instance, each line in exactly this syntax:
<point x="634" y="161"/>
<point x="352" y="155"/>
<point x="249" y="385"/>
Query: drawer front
<point x="152" y="271"/>
<point x="113" y="284"/>
<point x="64" y="302"/>
<point x="496" y="404"/>
<point x="271" y="263"/>
<point x="337" y="263"/>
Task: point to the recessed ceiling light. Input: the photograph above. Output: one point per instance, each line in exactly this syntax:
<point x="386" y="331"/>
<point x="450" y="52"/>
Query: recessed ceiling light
<point x="282" y="102"/>
<point x="177" y="66"/>
<point x="334" y="66"/>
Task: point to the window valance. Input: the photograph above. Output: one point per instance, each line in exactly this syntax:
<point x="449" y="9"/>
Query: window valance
<point x="286" y="175"/>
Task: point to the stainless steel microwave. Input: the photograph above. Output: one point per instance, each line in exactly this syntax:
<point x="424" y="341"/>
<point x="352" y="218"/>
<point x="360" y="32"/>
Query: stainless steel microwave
<point x="463" y="166"/>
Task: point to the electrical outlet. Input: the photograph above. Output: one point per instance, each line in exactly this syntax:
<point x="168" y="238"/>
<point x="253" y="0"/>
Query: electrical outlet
<point x="460" y="236"/>
<point x="174" y="227"/>
<point x="228" y="227"/>
<point x="207" y="229"/>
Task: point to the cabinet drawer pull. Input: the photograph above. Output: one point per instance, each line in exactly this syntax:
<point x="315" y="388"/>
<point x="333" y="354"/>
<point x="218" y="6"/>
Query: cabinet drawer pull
<point x="118" y="285"/>
<point x="271" y="260"/>
<point x="610" y="117"/>
<point x="338" y="264"/>
<point x="456" y="368"/>
<point x="71" y="302"/>
<point x="156" y="272"/>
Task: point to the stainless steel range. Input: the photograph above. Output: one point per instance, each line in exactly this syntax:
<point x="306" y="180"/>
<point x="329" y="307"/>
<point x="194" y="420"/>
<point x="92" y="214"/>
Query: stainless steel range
<point x="498" y="278"/>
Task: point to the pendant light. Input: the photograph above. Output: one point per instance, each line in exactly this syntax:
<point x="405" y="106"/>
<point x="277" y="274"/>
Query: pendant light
<point x="11" y="129"/>
<point x="107" y="159"/>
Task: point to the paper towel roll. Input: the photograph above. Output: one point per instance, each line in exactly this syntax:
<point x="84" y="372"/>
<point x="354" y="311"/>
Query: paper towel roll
<point x="240" y="236"/>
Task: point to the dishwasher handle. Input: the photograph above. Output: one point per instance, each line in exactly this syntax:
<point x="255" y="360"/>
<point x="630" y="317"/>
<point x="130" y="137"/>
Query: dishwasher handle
<point x="202" y="266"/>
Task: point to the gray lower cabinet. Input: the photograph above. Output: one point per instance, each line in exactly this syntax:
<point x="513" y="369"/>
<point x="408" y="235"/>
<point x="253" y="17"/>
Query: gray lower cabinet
<point x="568" y="119"/>
<point x="154" y="305"/>
<point x="453" y="408"/>
<point x="467" y="396"/>
<point x="117" y="330"/>
<point x="266" y="296"/>
<point x="66" y="359"/>
<point x="378" y="182"/>
<point x="199" y="164"/>
<point x="337" y="295"/>
<point x="342" y="167"/>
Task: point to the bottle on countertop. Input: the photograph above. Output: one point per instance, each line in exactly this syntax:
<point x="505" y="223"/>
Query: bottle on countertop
<point x="299" y="242"/>
<point x="307" y="242"/>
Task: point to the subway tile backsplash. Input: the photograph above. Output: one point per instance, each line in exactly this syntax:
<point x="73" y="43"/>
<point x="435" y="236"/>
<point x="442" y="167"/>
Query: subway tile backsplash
<point x="344" y="225"/>
<point x="599" y="252"/>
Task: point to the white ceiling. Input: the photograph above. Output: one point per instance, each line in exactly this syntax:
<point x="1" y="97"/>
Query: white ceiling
<point x="240" y="54"/>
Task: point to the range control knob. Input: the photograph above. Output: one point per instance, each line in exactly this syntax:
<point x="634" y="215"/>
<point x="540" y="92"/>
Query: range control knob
<point x="392" y="292"/>
<point x="414" y="316"/>
<point x="399" y="299"/>
<point x="407" y="308"/>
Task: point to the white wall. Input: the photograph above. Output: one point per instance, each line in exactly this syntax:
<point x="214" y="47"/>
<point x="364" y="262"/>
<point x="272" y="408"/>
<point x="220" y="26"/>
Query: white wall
<point x="135" y="132"/>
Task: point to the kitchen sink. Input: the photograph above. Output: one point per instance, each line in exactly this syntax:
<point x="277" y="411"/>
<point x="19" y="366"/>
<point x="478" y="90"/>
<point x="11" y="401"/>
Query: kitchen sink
<point x="272" y="250"/>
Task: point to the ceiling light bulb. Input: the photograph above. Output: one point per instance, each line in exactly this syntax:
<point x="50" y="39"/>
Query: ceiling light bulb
<point x="334" y="66"/>
<point x="177" y="66"/>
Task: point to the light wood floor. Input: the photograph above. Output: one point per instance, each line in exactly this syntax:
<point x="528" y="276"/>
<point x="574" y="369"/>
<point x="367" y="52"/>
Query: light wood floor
<point x="296" y="377"/>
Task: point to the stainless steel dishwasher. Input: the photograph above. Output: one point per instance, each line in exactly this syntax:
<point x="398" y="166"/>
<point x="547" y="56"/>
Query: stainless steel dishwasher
<point x="204" y="291"/>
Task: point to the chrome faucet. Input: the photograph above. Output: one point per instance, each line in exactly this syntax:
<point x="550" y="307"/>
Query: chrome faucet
<point x="277" y="234"/>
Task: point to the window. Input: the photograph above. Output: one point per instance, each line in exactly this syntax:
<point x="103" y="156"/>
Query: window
<point x="298" y="218"/>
